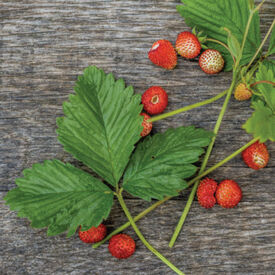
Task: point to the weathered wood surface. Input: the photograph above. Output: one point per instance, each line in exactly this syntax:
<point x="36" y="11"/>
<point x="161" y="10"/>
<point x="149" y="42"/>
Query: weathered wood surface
<point x="44" y="46"/>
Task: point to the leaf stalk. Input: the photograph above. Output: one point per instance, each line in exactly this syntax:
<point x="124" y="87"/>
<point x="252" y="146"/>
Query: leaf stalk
<point x="246" y="33"/>
<point x="127" y="224"/>
<point x="141" y="237"/>
<point x="262" y="44"/>
<point x="204" y="163"/>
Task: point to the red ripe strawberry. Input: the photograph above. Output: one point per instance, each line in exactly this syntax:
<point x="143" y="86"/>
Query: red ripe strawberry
<point x="242" y="92"/>
<point x="211" y="61"/>
<point x="206" y="191"/>
<point x="228" y="194"/>
<point x="163" y="54"/>
<point x="154" y="100"/>
<point x="256" y="156"/>
<point x="122" y="246"/>
<point x="147" y="126"/>
<point x="188" y="45"/>
<point x="93" y="235"/>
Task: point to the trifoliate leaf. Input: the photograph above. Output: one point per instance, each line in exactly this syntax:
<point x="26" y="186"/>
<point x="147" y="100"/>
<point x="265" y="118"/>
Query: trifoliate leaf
<point x="214" y="15"/>
<point x="61" y="197"/>
<point x="271" y="48"/>
<point x="101" y="123"/>
<point x="160" y="163"/>
<point x="262" y="122"/>
<point x="267" y="72"/>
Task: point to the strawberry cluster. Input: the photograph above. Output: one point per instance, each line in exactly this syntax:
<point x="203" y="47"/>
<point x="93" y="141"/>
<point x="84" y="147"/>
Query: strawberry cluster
<point x="154" y="100"/>
<point x="120" y="246"/>
<point x="163" y="54"/>
<point x="228" y="193"/>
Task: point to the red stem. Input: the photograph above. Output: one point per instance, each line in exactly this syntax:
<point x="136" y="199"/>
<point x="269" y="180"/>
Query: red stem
<point x="262" y="81"/>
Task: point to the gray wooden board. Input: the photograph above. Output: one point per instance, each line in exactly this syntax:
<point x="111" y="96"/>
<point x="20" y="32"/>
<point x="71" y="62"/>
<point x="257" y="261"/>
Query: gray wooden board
<point x="44" y="46"/>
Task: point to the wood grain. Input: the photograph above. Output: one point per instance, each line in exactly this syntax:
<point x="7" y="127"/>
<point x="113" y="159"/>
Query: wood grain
<point x="44" y="45"/>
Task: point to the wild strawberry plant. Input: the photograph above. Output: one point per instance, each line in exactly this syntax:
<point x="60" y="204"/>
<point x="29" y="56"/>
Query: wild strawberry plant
<point x="102" y="126"/>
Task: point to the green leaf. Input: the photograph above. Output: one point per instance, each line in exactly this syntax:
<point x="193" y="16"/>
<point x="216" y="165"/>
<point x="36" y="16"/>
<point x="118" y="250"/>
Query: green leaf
<point x="269" y="63"/>
<point x="160" y="163"/>
<point x="101" y="123"/>
<point x="61" y="197"/>
<point x="214" y="15"/>
<point x="271" y="48"/>
<point x="267" y="72"/>
<point x="262" y="122"/>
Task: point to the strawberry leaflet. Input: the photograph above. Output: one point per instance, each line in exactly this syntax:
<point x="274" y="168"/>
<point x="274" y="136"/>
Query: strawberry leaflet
<point x="61" y="197"/>
<point x="271" y="48"/>
<point x="262" y="122"/>
<point x="267" y="72"/>
<point x="160" y="163"/>
<point x="102" y="123"/>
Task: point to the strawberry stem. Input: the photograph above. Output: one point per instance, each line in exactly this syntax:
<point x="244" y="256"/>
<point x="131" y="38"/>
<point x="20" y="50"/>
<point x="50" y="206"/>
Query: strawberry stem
<point x="204" y="163"/>
<point x="141" y="237"/>
<point x="245" y="36"/>
<point x="187" y="108"/>
<point x="262" y="81"/>
<point x="251" y="72"/>
<point x="233" y="155"/>
<point x="262" y="44"/>
<point x="127" y="224"/>
<point x="156" y="204"/>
